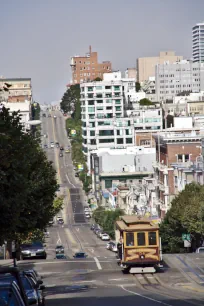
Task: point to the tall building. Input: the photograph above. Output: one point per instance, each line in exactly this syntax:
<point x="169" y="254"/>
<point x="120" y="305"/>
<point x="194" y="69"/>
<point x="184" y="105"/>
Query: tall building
<point x="183" y="76"/>
<point x="109" y="119"/>
<point x="146" y="65"/>
<point x="198" y="42"/>
<point x="131" y="73"/>
<point x="87" y="68"/>
<point x="19" y="91"/>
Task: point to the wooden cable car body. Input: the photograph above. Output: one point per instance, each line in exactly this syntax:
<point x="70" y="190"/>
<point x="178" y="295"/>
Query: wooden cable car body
<point x="138" y="244"/>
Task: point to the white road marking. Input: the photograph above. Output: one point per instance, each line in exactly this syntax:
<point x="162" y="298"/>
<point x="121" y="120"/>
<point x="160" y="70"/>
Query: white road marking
<point x="118" y="279"/>
<point x="59" y="239"/>
<point x="77" y="229"/>
<point x="98" y="263"/>
<point x="86" y="281"/>
<point x="145" y="297"/>
<point x="69" y="181"/>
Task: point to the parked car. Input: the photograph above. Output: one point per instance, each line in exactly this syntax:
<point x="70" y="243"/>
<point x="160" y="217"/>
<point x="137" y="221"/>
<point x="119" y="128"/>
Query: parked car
<point x="200" y="250"/>
<point x="112" y="246"/>
<point x="61" y="148"/>
<point x="51" y="222"/>
<point x="92" y="227"/>
<point x="86" y="208"/>
<point x="57" y="144"/>
<point x="80" y="255"/>
<point x="54" y="117"/>
<point x="44" y="115"/>
<point x="32" y="250"/>
<point x="105" y="237"/>
<point x="61" y="154"/>
<point x="52" y="144"/>
<point x="67" y="150"/>
<point x="76" y="174"/>
<point x="45" y="146"/>
<point x="10" y="295"/>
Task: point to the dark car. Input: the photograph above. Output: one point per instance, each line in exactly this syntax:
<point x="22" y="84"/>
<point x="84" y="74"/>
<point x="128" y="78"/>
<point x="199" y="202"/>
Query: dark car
<point x="80" y="255"/>
<point x="33" y="250"/>
<point x="60" y="221"/>
<point x="44" y="115"/>
<point x="28" y="285"/>
<point x="76" y="174"/>
<point x="92" y="227"/>
<point x="57" y="144"/>
<point x="10" y="295"/>
<point x="59" y="249"/>
<point x="34" y="274"/>
<point x="61" y="148"/>
<point x="45" y="146"/>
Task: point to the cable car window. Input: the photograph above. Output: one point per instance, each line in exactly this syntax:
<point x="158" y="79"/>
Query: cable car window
<point x="152" y="238"/>
<point x="130" y="241"/>
<point x="140" y="239"/>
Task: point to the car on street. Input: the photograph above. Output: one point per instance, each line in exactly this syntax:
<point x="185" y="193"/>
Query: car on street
<point x="92" y="227"/>
<point x="49" y="115"/>
<point x="88" y="216"/>
<point x="32" y="250"/>
<point x="46" y="234"/>
<point x="61" y="154"/>
<point x="44" y="115"/>
<point x="200" y="250"/>
<point x="34" y="274"/>
<point x="60" y="221"/>
<point x="105" y="237"/>
<point x="59" y="249"/>
<point x="45" y="146"/>
<point x="52" y="145"/>
<point x="45" y="135"/>
<point x="51" y="222"/>
<point x="86" y="208"/>
<point x="111" y="246"/>
<point x="67" y="150"/>
<point x="57" y="144"/>
<point x="54" y="117"/>
<point x="76" y="174"/>
<point x="80" y="255"/>
<point x="61" y="148"/>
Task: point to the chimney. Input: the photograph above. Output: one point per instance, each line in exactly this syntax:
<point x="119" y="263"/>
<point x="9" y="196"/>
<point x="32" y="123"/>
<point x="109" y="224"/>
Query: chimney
<point x="90" y="49"/>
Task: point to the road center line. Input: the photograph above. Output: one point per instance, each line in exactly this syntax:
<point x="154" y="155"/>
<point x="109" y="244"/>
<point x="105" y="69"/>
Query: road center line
<point x="69" y="181"/>
<point x="98" y="263"/>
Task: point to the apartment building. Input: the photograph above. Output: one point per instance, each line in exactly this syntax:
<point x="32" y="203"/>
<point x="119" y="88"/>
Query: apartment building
<point x="198" y="42"/>
<point x="180" y="149"/>
<point x="108" y="116"/>
<point x="183" y="76"/>
<point x="19" y="91"/>
<point x="146" y="65"/>
<point x="131" y="73"/>
<point x="87" y="68"/>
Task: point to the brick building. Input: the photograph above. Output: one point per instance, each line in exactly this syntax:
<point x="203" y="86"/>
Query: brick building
<point x="173" y="150"/>
<point x="87" y="68"/>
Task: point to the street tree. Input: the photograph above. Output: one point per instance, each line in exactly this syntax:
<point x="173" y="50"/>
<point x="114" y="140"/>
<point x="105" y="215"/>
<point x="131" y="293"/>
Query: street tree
<point x="27" y="180"/>
<point x="70" y="98"/>
<point x="137" y="86"/>
<point x="186" y="216"/>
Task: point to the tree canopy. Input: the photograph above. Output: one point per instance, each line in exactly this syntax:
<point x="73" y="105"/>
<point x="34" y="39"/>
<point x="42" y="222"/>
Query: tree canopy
<point x="70" y="98"/>
<point x="137" y="86"/>
<point x="27" y="181"/>
<point x="186" y="216"/>
<point x="145" y="101"/>
<point x="106" y="219"/>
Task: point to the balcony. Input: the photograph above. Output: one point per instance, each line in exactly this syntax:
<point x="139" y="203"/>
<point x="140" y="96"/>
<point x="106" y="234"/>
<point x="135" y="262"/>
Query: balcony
<point x="163" y="188"/>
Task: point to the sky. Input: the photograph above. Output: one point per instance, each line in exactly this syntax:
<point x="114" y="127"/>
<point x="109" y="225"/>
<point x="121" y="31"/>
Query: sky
<point x="38" y="37"/>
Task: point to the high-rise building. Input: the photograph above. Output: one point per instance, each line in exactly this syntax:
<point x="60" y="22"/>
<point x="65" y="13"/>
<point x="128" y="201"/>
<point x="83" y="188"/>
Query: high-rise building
<point x="146" y="65"/>
<point x="198" y="42"/>
<point x="87" y="68"/>
<point x="183" y="76"/>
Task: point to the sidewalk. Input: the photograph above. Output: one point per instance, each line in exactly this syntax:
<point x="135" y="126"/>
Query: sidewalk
<point x="6" y="262"/>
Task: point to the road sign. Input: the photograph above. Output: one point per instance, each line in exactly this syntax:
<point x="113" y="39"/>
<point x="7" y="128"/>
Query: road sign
<point x="186" y="237"/>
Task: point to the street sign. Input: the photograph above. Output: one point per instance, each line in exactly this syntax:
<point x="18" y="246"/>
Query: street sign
<point x="73" y="132"/>
<point x="186" y="237"/>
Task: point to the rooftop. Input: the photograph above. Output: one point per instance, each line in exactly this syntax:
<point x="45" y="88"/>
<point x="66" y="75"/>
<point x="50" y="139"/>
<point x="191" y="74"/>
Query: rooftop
<point x="131" y="223"/>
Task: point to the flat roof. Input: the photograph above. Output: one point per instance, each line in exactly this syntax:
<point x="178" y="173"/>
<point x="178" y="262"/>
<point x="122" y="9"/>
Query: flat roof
<point x="114" y="174"/>
<point x="14" y="79"/>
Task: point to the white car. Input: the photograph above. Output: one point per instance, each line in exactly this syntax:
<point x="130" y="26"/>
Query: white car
<point x="52" y="145"/>
<point x="59" y="217"/>
<point x="86" y="209"/>
<point x="105" y="237"/>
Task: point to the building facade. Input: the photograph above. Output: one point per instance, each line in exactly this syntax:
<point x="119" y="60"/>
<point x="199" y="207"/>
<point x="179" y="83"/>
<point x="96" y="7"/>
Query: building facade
<point x="198" y="42"/>
<point x="183" y="76"/>
<point x="146" y="65"/>
<point x="19" y="91"/>
<point x="131" y="73"/>
<point x="87" y="68"/>
<point x="181" y="149"/>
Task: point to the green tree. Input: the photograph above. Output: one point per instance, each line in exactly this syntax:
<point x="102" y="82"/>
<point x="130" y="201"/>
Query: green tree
<point x="27" y="181"/>
<point x="145" y="101"/>
<point x="97" y="79"/>
<point x="186" y="215"/>
<point x="70" y="98"/>
<point x="137" y="86"/>
<point x="35" y="111"/>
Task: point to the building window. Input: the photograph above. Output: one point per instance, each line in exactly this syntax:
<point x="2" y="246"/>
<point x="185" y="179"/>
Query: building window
<point x="140" y="239"/>
<point x="130" y="240"/>
<point x="120" y="141"/>
<point x="128" y="140"/>
<point x="152" y="238"/>
<point x="180" y="158"/>
<point x="92" y="133"/>
<point x="108" y="183"/>
<point x="186" y="156"/>
<point x="119" y="132"/>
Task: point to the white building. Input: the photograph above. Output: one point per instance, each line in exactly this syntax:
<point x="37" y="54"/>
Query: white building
<point x="20" y="90"/>
<point x="198" y="42"/>
<point x="108" y="116"/>
<point x="24" y="108"/>
<point x="183" y="76"/>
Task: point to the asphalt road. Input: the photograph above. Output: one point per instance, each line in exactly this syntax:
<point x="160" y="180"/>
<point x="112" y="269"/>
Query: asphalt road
<point x="98" y="280"/>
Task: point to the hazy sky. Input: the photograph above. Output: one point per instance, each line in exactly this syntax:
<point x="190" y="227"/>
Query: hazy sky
<point x="38" y="37"/>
